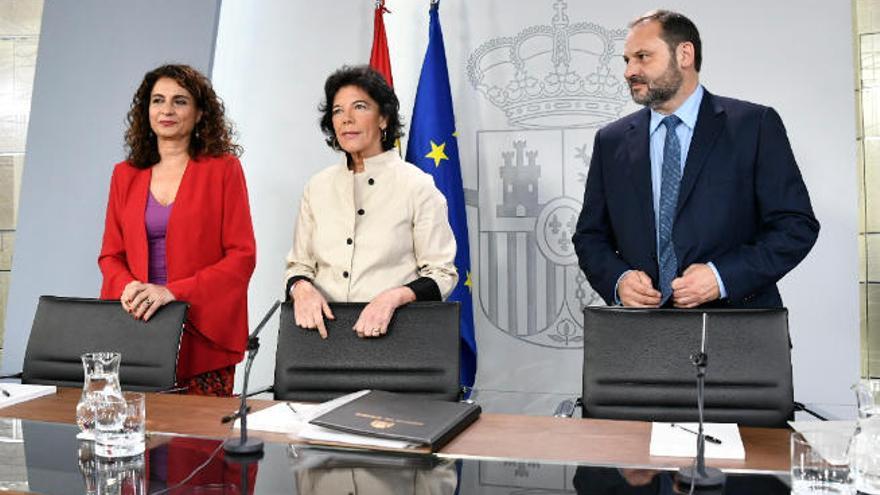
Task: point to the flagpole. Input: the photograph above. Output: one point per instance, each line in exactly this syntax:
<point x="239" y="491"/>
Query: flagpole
<point x="380" y="60"/>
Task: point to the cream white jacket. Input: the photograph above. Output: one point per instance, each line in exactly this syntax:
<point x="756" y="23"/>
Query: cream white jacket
<point x="399" y="233"/>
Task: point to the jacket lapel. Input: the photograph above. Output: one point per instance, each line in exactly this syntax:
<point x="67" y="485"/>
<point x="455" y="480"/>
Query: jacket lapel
<point x="639" y="167"/>
<point x="710" y="121"/>
<point x="139" y="190"/>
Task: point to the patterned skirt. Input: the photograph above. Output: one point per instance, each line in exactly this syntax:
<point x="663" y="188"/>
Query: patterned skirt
<point x="215" y="382"/>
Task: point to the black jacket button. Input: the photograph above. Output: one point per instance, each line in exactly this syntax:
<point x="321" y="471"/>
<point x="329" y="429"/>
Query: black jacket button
<point x="345" y="274"/>
<point x="361" y="211"/>
<point x="371" y="181"/>
<point x="349" y="241"/>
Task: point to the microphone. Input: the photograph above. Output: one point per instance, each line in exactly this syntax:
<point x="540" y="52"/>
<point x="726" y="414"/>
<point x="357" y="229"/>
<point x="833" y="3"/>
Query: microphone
<point x="233" y="416"/>
<point x="698" y="475"/>
<point x="244" y="446"/>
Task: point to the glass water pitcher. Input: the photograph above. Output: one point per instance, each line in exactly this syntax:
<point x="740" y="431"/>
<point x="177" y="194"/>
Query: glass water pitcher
<point x="100" y="385"/>
<point x="864" y="450"/>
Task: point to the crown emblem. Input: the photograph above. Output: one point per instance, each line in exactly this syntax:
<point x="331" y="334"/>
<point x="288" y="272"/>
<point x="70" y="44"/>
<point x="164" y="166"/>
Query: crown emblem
<point x="556" y="75"/>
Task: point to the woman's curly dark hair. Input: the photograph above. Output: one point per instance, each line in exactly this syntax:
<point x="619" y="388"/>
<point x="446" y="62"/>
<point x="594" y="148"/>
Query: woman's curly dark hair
<point x="212" y="136"/>
<point x="374" y="84"/>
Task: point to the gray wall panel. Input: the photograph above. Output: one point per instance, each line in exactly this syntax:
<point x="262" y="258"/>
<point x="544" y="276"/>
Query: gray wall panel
<point x="92" y="56"/>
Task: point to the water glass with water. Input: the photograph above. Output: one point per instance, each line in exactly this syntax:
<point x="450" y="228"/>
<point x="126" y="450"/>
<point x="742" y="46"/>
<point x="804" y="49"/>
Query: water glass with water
<point x="865" y="445"/>
<point x="820" y="464"/>
<point x="119" y="425"/>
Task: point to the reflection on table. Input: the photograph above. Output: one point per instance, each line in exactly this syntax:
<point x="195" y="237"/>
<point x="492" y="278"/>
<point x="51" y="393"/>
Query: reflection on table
<point x="625" y="481"/>
<point x="47" y="458"/>
<point x="319" y="471"/>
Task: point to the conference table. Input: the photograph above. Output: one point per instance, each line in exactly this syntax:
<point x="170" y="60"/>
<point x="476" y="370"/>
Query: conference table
<point x="499" y="453"/>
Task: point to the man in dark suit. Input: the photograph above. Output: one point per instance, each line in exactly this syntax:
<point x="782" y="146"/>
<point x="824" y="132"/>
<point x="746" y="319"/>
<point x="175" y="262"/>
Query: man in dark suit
<point x="695" y="200"/>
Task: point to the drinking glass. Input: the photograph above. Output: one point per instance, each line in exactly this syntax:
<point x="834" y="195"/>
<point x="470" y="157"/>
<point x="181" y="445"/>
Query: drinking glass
<point x="119" y="425"/>
<point x="819" y="463"/>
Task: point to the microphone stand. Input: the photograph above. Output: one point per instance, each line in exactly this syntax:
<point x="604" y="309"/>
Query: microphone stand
<point x="244" y="446"/>
<point x="699" y="475"/>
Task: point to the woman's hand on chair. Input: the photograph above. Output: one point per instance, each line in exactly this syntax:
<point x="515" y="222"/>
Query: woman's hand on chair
<point x="145" y="299"/>
<point x="374" y="319"/>
<point x="310" y="307"/>
<point x="128" y="294"/>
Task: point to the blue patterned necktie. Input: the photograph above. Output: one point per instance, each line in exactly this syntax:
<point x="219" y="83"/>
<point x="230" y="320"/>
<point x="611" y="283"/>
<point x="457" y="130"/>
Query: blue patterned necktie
<point x="669" y="182"/>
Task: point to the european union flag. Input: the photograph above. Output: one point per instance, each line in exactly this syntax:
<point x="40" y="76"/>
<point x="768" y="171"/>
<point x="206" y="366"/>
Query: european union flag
<point x="433" y="147"/>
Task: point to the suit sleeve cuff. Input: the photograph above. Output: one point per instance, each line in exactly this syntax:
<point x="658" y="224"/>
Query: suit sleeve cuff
<point x="290" y="282"/>
<point x="616" y="285"/>
<point x="722" y="291"/>
<point x="425" y="289"/>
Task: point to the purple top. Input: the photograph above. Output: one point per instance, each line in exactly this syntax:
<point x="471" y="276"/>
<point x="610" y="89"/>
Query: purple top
<point x="156" y="220"/>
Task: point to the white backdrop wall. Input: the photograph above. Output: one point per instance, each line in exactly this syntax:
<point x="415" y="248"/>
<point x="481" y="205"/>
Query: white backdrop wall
<point x="270" y="62"/>
<point x="273" y="57"/>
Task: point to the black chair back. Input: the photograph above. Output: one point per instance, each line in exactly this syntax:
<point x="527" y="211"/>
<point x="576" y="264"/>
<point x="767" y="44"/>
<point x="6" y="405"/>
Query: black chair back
<point x="637" y="365"/>
<point x="419" y="354"/>
<point x="65" y="328"/>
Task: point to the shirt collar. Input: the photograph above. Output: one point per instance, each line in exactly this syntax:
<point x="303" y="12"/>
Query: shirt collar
<point x="687" y="112"/>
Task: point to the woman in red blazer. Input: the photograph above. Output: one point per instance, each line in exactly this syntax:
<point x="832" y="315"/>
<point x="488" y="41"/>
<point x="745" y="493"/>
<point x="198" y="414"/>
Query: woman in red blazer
<point x="178" y="224"/>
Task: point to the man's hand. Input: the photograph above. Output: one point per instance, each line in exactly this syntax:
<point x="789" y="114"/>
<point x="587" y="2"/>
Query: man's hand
<point x="635" y="290"/>
<point x="696" y="286"/>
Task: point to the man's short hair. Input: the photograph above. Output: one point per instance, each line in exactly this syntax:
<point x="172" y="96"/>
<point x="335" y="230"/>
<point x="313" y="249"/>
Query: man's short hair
<point x="676" y="29"/>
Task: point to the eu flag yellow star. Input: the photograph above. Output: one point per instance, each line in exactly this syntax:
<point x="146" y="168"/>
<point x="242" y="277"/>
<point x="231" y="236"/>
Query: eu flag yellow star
<point x="437" y="153"/>
<point x="468" y="283"/>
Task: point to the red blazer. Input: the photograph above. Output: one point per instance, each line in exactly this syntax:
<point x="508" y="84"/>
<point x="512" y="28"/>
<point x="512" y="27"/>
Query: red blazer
<point x="210" y="251"/>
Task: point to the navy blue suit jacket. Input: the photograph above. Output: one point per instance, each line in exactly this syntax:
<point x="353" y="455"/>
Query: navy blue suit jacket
<point x="742" y="203"/>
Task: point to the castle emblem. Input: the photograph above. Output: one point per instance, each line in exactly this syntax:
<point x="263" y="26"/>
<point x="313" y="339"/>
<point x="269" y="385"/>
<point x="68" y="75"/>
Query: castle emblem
<point x="556" y="84"/>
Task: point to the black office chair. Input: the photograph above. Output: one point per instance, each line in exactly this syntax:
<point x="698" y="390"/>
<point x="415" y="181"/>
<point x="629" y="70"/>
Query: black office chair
<point x="418" y="355"/>
<point x="65" y="328"/>
<point x="637" y="365"/>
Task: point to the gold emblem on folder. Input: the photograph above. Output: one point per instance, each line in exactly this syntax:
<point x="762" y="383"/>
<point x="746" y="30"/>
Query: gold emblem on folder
<point x="381" y="424"/>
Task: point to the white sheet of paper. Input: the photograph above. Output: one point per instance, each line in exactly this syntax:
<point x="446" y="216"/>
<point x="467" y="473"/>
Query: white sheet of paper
<point x="668" y="441"/>
<point x="22" y="393"/>
<point x="280" y="418"/>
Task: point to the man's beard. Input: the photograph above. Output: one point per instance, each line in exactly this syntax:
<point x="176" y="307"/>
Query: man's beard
<point x="661" y="89"/>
